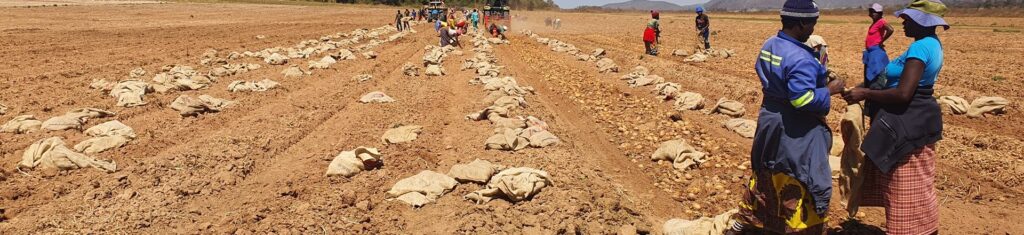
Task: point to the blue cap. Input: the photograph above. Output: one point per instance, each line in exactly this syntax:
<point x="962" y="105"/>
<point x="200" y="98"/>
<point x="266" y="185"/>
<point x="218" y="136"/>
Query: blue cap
<point x="800" y="9"/>
<point x="700" y="9"/>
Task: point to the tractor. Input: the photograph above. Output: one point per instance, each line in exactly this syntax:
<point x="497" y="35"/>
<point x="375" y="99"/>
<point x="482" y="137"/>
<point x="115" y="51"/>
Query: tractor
<point x="497" y="12"/>
<point x="436" y="10"/>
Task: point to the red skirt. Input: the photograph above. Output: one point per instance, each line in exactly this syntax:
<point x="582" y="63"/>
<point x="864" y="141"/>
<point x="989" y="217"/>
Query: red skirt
<point x="650" y="36"/>
<point x="907" y="193"/>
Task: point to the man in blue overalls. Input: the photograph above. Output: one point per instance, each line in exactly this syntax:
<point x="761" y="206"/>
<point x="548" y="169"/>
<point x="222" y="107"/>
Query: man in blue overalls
<point x="791" y="185"/>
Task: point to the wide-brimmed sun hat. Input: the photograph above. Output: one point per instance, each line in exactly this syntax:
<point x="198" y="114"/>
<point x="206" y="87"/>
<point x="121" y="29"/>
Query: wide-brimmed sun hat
<point x="700" y="9"/>
<point x="927" y="13"/>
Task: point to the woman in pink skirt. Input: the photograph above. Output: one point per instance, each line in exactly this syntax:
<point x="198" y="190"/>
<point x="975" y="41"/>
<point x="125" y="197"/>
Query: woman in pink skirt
<point x="906" y="122"/>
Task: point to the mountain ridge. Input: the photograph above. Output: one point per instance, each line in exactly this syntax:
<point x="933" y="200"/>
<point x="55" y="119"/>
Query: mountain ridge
<point x="644" y="5"/>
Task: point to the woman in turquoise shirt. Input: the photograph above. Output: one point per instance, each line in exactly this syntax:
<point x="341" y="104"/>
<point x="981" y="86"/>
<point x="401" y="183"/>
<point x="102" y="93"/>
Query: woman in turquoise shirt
<point x="906" y="122"/>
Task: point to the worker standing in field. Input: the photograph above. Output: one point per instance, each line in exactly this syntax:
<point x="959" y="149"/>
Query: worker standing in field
<point x="405" y="20"/>
<point x="398" y="20"/>
<point x="791" y="184"/>
<point x="475" y="18"/>
<point x="875" y="58"/>
<point x="652" y="33"/>
<point x="703" y="27"/>
<point x="906" y="122"/>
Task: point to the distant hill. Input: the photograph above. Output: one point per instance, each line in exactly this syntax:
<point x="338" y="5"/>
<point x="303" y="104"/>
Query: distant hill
<point x="644" y="5"/>
<point x="760" y="5"/>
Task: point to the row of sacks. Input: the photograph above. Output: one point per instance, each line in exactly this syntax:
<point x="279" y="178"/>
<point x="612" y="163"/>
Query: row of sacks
<point x="72" y="120"/>
<point x="512" y="184"/>
<point x="131" y="92"/>
<point x="328" y="60"/>
<point x="977" y="108"/>
<point x="702" y="55"/>
<point x="511" y="133"/>
<point x="310" y="48"/>
<point x="52" y="153"/>
<point x="685" y="100"/>
<point x="433" y="58"/>
<point x="604" y="64"/>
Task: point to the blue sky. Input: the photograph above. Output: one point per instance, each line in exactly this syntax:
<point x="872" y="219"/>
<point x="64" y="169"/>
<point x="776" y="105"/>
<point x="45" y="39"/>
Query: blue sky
<point x="566" y="4"/>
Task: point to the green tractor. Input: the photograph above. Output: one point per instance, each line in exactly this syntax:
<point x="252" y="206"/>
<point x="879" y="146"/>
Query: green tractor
<point x="436" y="10"/>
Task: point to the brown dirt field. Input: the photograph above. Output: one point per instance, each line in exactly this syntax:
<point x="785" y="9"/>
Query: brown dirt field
<point x="258" y="167"/>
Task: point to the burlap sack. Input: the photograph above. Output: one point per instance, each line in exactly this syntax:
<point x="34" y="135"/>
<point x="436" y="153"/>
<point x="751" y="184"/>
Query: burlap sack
<point x="539" y="137"/>
<point x="410" y="70"/>
<point x="129" y="93"/>
<point x="376" y="97"/>
<point x="701" y="226"/>
<point x="514" y="185"/>
<point x="349" y="163"/>
<point x="666" y="90"/>
<point x="422" y="188"/>
<point x="344" y="54"/>
<point x="637" y="73"/>
<point x="987" y="105"/>
<point x="607" y="65"/>
<point x="293" y="71"/>
<point x="744" y="127"/>
<point x="74" y="119"/>
<point x="242" y="86"/>
<point x="370" y="55"/>
<point x="689" y="101"/>
<point x="646" y="81"/>
<point x="478" y="171"/>
<point x="434" y="70"/>
<point x="729" y="107"/>
<point x="955" y="104"/>
<point x="507" y="140"/>
<point x="21" y="124"/>
<point x="680" y="153"/>
<point x="188" y="106"/>
<point x="401" y="134"/>
<point x="51" y="153"/>
<point x="852" y="128"/>
<point x="276" y="59"/>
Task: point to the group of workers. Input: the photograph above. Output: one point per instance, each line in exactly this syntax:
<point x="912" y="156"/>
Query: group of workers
<point x="449" y="15"/>
<point x="452" y="24"/>
<point x="652" y="33"/>
<point x="791" y="184"/>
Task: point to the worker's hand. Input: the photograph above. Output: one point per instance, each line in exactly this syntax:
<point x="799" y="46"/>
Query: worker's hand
<point x="857" y="94"/>
<point x="836" y="86"/>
